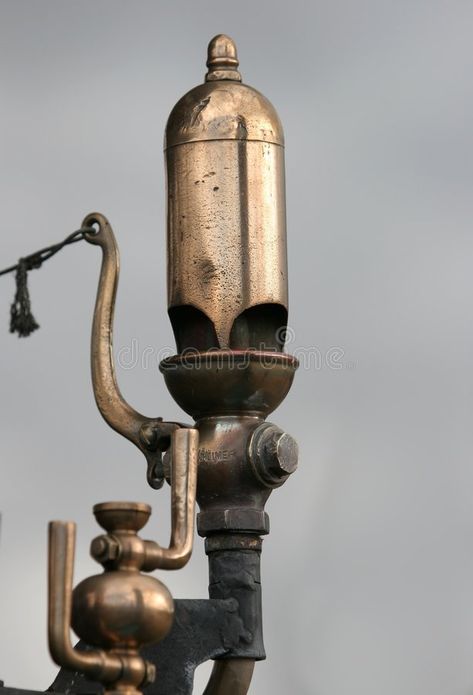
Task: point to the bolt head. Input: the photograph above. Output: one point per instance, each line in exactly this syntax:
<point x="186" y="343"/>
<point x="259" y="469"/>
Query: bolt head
<point x="280" y="452"/>
<point x="104" y="549"/>
<point x="273" y="454"/>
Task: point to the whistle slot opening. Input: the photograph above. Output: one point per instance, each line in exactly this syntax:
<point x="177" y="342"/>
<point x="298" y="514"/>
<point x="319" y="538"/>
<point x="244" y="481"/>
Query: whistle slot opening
<point x="193" y="330"/>
<point x="261" y="327"/>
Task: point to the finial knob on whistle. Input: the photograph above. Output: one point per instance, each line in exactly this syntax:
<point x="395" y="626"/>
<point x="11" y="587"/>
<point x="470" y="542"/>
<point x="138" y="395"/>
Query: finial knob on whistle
<point x="222" y="59"/>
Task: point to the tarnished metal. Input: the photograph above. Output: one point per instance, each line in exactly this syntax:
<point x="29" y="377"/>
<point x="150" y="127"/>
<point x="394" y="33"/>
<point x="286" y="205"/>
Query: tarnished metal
<point x="96" y="664"/>
<point x="229" y="394"/>
<point x="229" y="382"/>
<point x="122" y="609"/>
<point x="273" y="454"/>
<point x="227" y="299"/>
<point x="227" y="267"/>
<point x="222" y="59"/>
<point x="202" y="629"/>
<point x="230" y="677"/>
<point x="150" y="435"/>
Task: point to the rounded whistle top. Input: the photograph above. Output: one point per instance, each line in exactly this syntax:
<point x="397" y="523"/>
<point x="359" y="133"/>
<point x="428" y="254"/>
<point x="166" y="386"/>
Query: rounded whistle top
<point x="222" y="59"/>
<point x="223" y="108"/>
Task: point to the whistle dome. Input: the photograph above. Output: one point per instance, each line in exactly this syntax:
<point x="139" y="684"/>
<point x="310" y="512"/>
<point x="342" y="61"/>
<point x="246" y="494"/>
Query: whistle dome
<point x="227" y="267"/>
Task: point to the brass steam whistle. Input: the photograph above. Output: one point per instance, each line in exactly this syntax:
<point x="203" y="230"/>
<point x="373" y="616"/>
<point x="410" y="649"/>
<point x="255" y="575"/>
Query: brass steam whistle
<point x="228" y="306"/>
<point x="121" y="610"/>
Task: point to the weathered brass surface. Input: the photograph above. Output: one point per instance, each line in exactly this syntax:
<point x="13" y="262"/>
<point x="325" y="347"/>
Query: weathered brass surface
<point x="273" y="454"/>
<point x="150" y="435"/>
<point x="227" y="267"/>
<point x="229" y="381"/>
<point x="227" y="299"/>
<point x="222" y="59"/>
<point x="116" y="411"/>
<point x="241" y="457"/>
<point x="122" y="609"/>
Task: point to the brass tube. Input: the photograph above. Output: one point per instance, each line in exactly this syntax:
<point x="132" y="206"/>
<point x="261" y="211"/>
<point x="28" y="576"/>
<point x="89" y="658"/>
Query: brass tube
<point x="95" y="664"/>
<point x="184" y="450"/>
<point x="230" y="676"/>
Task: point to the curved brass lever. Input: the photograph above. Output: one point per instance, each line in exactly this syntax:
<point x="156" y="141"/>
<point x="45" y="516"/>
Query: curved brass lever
<point x="150" y="435"/>
<point x="121" y="610"/>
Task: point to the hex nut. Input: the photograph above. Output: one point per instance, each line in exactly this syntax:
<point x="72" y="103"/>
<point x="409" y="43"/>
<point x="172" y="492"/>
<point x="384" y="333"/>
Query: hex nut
<point x="242" y="520"/>
<point x="281" y="451"/>
<point x="105" y="549"/>
<point x="273" y="454"/>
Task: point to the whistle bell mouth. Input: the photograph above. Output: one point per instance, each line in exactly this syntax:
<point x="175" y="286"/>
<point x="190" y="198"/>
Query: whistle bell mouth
<point x="225" y="382"/>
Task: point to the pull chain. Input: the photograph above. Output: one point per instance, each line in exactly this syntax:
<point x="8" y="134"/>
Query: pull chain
<point x="22" y="320"/>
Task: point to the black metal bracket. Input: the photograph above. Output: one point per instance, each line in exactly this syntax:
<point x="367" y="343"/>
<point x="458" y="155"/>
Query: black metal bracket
<point x="203" y="629"/>
<point x="228" y="625"/>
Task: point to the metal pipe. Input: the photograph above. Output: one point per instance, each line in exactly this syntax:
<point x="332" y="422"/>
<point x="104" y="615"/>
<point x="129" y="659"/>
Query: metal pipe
<point x="95" y="663"/>
<point x="185" y="443"/>
<point x="230" y="676"/>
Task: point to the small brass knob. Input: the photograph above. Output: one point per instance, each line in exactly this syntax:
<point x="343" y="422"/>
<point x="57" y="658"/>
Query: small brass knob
<point x="222" y="59"/>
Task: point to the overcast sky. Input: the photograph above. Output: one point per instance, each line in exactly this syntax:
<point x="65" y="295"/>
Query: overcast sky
<point x="368" y="571"/>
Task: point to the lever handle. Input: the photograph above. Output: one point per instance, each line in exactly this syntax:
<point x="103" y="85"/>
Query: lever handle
<point x="113" y="407"/>
<point x="96" y="664"/>
<point x="148" y="434"/>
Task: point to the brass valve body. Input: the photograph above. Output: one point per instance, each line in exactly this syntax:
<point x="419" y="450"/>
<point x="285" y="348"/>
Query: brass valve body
<point x="121" y="607"/>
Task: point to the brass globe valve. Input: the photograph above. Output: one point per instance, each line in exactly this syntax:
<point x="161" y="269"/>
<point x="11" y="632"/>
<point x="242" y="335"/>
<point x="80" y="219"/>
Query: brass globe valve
<point x="121" y="610"/>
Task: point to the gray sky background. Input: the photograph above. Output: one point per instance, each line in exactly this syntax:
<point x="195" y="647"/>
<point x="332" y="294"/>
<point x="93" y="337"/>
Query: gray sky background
<point x="368" y="571"/>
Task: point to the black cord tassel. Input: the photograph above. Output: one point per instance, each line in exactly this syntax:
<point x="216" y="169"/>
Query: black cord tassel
<point x="22" y="320"/>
